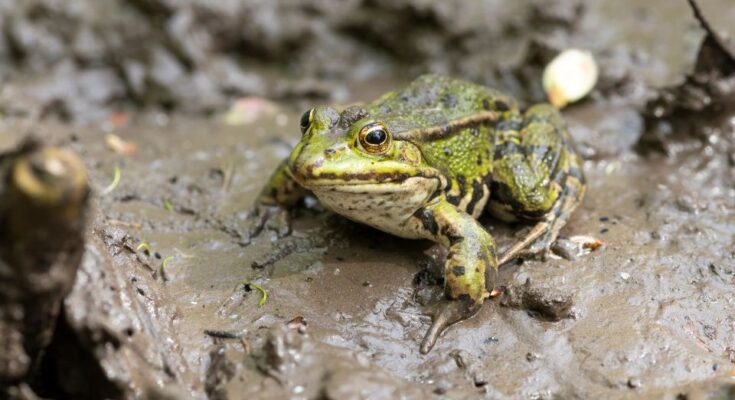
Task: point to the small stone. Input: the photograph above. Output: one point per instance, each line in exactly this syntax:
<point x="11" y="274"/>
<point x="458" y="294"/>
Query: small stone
<point x="625" y="276"/>
<point x="686" y="204"/>
<point x="634" y="383"/>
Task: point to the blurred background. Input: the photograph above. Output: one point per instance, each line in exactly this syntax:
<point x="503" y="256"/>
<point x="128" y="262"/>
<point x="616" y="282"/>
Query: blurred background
<point x="79" y="59"/>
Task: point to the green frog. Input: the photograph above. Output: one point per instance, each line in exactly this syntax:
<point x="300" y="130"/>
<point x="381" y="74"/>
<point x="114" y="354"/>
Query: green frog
<point x="425" y="162"/>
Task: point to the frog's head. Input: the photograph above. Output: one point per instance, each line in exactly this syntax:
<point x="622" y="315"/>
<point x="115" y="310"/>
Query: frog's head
<point x="357" y="167"/>
<point x="352" y="149"/>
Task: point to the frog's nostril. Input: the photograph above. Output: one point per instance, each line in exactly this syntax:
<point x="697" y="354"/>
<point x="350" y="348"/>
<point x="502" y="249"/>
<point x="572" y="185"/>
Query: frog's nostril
<point x="328" y="153"/>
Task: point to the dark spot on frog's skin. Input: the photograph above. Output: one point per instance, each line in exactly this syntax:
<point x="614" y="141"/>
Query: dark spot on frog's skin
<point x="444" y="231"/>
<point x="447" y="151"/>
<point x="479" y="159"/>
<point x="404" y="97"/>
<point x="449" y="100"/>
<point x="461" y="180"/>
<point x="536" y="118"/>
<point x="453" y="199"/>
<point x="503" y="194"/>
<point x="453" y="239"/>
<point x="576" y="173"/>
<point x="501" y="106"/>
<point x="385" y="108"/>
<point x="486" y="104"/>
<point x="427" y="220"/>
<point x="487" y="153"/>
<point x="328" y="153"/>
<point x="439" y="190"/>
<point x="458" y="270"/>
<point x="351" y="115"/>
<point x="477" y="192"/>
<point x="509" y="125"/>
<point x="475" y="131"/>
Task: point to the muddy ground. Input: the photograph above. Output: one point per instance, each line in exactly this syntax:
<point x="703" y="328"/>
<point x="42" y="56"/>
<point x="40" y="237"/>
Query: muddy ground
<point x="649" y="315"/>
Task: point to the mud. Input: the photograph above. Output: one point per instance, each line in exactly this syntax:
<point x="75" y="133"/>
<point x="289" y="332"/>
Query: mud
<point x="648" y="315"/>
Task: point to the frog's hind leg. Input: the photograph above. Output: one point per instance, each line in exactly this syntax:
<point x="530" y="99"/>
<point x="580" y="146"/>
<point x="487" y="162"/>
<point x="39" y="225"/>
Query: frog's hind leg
<point x="543" y="234"/>
<point x="537" y="177"/>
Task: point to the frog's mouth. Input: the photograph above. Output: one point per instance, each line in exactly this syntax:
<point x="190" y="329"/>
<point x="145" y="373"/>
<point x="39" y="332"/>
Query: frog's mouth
<point x="410" y="186"/>
<point x="332" y="180"/>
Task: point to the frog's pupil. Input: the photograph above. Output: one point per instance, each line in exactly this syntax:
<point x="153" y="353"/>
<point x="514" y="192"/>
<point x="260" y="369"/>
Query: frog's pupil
<point x="376" y="137"/>
<point x="305" y="120"/>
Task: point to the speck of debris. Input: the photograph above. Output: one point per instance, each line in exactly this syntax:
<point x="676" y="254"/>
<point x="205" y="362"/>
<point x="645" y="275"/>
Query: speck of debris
<point x="491" y="339"/>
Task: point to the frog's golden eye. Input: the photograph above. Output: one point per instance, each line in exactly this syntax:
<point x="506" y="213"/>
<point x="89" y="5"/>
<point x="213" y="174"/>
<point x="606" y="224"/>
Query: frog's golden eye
<point x="305" y="121"/>
<point x="375" y="138"/>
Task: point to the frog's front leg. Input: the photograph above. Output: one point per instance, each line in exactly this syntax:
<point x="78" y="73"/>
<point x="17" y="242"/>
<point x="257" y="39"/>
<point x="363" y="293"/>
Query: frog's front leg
<point x="470" y="268"/>
<point x="274" y="203"/>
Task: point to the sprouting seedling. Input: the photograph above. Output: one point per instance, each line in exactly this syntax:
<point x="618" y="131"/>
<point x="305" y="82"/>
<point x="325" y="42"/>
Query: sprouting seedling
<point x="114" y="183"/>
<point x="263" y="293"/>
<point x="165" y="261"/>
<point x="167" y="205"/>
<point x="145" y="246"/>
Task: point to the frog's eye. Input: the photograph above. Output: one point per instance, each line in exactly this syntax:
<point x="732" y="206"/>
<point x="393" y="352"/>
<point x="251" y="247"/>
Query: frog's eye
<point x="375" y="138"/>
<point x="305" y="121"/>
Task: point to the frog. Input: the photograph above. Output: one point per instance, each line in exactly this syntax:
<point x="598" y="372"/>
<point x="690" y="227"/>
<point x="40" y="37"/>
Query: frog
<point x="425" y="162"/>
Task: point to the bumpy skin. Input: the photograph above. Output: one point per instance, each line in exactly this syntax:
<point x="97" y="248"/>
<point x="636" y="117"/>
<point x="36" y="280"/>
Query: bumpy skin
<point x="454" y="149"/>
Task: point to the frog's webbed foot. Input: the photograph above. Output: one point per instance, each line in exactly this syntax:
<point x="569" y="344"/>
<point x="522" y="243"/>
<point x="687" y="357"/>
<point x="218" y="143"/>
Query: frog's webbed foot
<point x="536" y="244"/>
<point x="448" y="312"/>
<point x="272" y="207"/>
<point x="265" y="217"/>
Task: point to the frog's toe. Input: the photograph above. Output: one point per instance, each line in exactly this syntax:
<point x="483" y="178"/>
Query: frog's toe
<point x="280" y="222"/>
<point x="447" y="313"/>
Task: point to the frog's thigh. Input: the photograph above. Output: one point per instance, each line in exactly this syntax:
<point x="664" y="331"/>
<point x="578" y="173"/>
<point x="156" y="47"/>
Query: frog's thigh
<point x="536" y="176"/>
<point x="471" y="265"/>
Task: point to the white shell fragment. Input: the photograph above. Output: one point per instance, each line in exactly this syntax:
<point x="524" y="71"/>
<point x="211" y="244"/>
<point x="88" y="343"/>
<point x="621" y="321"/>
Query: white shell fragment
<point x="246" y="110"/>
<point x="570" y="76"/>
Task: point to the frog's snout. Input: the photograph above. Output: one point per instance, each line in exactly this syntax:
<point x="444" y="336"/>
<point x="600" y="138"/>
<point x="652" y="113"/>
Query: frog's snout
<point x="306" y="165"/>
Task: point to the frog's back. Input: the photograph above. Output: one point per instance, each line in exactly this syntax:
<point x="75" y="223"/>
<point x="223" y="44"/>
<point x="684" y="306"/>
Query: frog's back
<point x="433" y="100"/>
<point x="453" y="124"/>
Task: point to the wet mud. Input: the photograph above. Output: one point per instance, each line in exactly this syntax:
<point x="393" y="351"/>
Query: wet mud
<point x="171" y="302"/>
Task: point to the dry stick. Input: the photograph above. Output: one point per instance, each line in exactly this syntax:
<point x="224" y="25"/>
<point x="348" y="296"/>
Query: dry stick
<point x="721" y="43"/>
